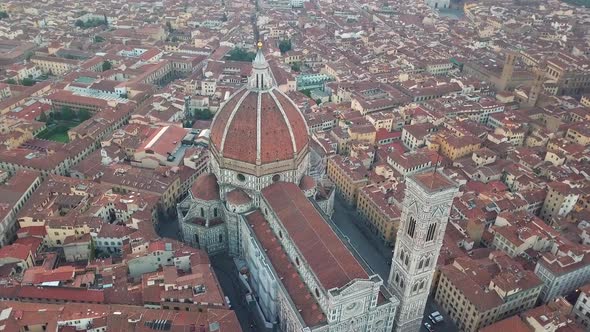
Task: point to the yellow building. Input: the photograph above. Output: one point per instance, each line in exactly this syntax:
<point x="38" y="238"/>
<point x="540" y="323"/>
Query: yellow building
<point x="363" y="133"/>
<point x="560" y="200"/>
<point x="478" y="292"/>
<point x="348" y="176"/>
<point x="455" y="147"/>
<point x="579" y="133"/>
<point x="382" y="216"/>
<point x="60" y="228"/>
<point x="53" y="65"/>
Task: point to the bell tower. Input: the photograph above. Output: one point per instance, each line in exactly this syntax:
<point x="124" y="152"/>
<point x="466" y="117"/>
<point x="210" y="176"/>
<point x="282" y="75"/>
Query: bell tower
<point x="507" y="71"/>
<point x="426" y="207"/>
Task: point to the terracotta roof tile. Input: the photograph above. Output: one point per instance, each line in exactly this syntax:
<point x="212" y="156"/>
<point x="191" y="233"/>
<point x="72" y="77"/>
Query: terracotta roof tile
<point x="330" y="260"/>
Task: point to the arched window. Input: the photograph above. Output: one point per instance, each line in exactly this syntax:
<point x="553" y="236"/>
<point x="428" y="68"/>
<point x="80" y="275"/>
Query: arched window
<point x="215" y="212"/>
<point x="427" y="263"/>
<point x="411" y="227"/>
<point x="431" y="232"/>
<point x="197" y="238"/>
<point x="202" y="212"/>
<point x="220" y="238"/>
<point x="421" y="264"/>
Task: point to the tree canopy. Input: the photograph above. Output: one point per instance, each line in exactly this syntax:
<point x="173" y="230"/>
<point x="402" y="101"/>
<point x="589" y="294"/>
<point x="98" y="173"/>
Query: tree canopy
<point x="240" y="54"/>
<point x="91" y="23"/>
<point x="285" y="45"/>
<point x="106" y="65"/>
<point x="27" y="81"/>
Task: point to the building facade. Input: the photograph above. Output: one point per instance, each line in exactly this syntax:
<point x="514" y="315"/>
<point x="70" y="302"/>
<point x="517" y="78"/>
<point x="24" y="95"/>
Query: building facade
<point x="581" y="310"/>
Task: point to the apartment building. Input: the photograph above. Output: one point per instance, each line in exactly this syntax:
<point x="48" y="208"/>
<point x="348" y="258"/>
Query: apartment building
<point x="374" y="206"/>
<point x="564" y="269"/>
<point x="479" y="292"/>
<point x="560" y="200"/>
<point x="348" y="175"/>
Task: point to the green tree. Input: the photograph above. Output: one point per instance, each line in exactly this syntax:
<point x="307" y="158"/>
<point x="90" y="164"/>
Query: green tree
<point x="67" y="113"/>
<point x="28" y="55"/>
<point x="240" y="54"/>
<point x="98" y="39"/>
<point x="84" y="115"/>
<point x="169" y="26"/>
<point x="43" y="117"/>
<point x="27" y="81"/>
<point x="10" y="81"/>
<point x="296" y="67"/>
<point x="3" y="14"/>
<point x="285" y="45"/>
<point x="79" y="24"/>
<point x="203" y="114"/>
<point x="106" y="65"/>
<point x="306" y="92"/>
<point x="224" y="17"/>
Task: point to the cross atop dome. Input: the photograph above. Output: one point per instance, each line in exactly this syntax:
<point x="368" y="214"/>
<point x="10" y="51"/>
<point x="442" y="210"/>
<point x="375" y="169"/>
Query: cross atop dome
<point x="261" y="77"/>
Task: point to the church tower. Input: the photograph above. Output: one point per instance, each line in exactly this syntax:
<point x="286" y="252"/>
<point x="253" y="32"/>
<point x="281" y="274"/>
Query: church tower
<point x="536" y="89"/>
<point x="426" y="207"/>
<point x="507" y="71"/>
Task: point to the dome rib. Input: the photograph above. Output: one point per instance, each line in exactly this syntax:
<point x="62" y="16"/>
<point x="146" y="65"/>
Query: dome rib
<point x="260" y="127"/>
<point x="285" y="118"/>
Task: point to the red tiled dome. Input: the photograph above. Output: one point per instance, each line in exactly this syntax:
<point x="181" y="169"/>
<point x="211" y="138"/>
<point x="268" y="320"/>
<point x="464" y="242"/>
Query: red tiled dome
<point x="206" y="188"/>
<point x="237" y="197"/>
<point x="263" y="125"/>
<point x="307" y="183"/>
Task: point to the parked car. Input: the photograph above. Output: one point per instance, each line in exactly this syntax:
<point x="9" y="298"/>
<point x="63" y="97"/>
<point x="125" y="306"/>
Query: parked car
<point x="436" y="317"/>
<point x="428" y="327"/>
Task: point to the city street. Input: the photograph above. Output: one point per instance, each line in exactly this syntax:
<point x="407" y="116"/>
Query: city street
<point x="227" y="274"/>
<point x="376" y="254"/>
<point x="168" y="227"/>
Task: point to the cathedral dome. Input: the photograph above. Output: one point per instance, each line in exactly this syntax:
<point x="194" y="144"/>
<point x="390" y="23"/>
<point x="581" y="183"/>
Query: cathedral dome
<point x="259" y="124"/>
<point x="205" y="188"/>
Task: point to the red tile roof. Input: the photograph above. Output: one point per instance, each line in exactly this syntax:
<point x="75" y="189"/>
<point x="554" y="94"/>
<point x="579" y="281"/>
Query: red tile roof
<point x="17" y="250"/>
<point x="512" y="324"/>
<point x="235" y="134"/>
<point x="330" y="260"/>
<point x="238" y="197"/>
<point x="61" y="293"/>
<point x="433" y="181"/>
<point x="206" y="188"/>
